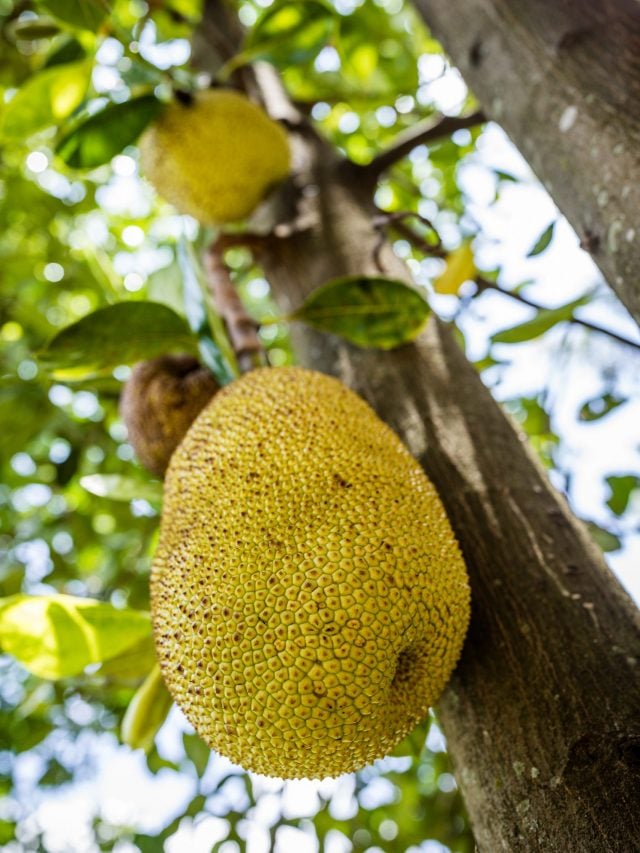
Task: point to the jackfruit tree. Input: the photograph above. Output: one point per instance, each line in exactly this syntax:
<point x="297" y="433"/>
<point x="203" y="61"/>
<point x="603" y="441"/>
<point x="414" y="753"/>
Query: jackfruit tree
<point x="192" y="192"/>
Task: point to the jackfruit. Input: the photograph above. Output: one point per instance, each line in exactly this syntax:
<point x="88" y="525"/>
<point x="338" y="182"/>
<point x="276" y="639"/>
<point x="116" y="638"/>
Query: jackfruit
<point x="159" y="403"/>
<point x="309" y="599"/>
<point x="214" y="155"/>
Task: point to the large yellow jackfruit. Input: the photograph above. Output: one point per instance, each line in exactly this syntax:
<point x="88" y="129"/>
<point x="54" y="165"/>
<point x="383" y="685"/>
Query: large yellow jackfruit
<point x="309" y="599"/>
<point x="214" y="156"/>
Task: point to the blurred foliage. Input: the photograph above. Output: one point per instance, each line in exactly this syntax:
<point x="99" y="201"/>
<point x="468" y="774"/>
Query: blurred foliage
<point x="369" y="312"/>
<point x="80" y="233"/>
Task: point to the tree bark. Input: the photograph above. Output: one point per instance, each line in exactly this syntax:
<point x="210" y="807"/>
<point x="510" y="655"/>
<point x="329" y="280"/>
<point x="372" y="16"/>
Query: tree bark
<point x="563" y="80"/>
<point x="542" y="715"/>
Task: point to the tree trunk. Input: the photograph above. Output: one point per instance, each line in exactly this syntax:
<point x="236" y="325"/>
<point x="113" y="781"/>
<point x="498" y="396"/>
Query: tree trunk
<point x="542" y="715"/>
<point x="563" y="80"/>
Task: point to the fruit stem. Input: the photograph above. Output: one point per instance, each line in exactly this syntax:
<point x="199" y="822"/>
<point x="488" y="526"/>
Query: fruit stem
<point x="242" y="329"/>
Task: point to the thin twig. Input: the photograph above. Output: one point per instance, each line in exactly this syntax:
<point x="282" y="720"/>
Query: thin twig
<point x="242" y="239"/>
<point x="429" y="249"/>
<point x="396" y="220"/>
<point x="242" y="329"/>
<point x="420" y="134"/>
<point x="484" y="284"/>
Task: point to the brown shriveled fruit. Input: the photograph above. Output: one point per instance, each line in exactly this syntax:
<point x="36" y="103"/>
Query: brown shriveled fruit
<point x="159" y="403"/>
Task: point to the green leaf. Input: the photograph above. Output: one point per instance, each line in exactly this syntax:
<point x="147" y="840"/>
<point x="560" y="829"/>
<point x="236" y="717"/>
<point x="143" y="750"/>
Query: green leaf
<point x="45" y="99"/>
<point x="63" y="51"/>
<point x="544" y="320"/>
<point x="607" y="540"/>
<point x="487" y="362"/>
<point x="501" y="175"/>
<point x="7" y="831"/>
<point x="598" y="407"/>
<point x="33" y="29"/>
<point x="146" y="712"/>
<point x="196" y="806"/>
<point x="165" y="286"/>
<point x="87" y="14"/>
<point x="215" y="348"/>
<point x="132" y="664"/>
<point x="375" y="53"/>
<point x="290" y="32"/>
<point x="197" y="752"/>
<point x="543" y="241"/>
<point x="155" y="763"/>
<point x="118" y="334"/>
<point x="533" y="416"/>
<point x="369" y="312"/>
<point x="621" y="488"/>
<point x="55" y="774"/>
<point x="118" y="487"/>
<point x="24" y="403"/>
<point x="101" y="136"/>
<point x="57" y="636"/>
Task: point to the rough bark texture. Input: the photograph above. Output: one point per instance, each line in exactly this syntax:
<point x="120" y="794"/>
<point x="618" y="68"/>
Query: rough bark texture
<point x="543" y="714"/>
<point x="563" y="80"/>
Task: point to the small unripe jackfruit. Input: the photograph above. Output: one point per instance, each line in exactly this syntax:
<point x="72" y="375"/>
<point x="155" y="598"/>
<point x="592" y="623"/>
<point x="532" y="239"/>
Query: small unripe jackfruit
<point x="309" y="598"/>
<point x="215" y="155"/>
<point x="160" y="401"/>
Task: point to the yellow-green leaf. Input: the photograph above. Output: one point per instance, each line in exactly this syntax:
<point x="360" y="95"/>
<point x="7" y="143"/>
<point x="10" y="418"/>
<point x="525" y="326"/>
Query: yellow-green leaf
<point x="45" y="99"/>
<point x="57" y="636"/>
<point x="33" y="29"/>
<point x="460" y="267"/>
<point x="119" y="487"/>
<point x="118" y="334"/>
<point x="622" y="488"/>
<point x="600" y="406"/>
<point x="370" y="312"/>
<point x="543" y="241"/>
<point x="133" y="663"/>
<point x="290" y="31"/>
<point x="146" y="712"/>
<point x="86" y="14"/>
<point x="544" y="320"/>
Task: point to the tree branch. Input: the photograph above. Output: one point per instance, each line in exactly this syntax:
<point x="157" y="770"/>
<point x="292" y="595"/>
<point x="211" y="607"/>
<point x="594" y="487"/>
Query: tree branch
<point x="242" y="329"/>
<point x="397" y="221"/>
<point x="421" y="134"/>
<point x="484" y="284"/>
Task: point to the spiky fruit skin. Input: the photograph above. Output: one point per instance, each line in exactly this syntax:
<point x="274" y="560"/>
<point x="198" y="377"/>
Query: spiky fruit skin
<point x="216" y="156"/>
<point x="309" y="599"/>
<point x="160" y="401"/>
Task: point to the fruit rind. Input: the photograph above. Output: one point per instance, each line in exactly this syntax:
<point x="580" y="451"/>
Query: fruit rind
<point x="309" y="598"/>
<point x="214" y="156"/>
